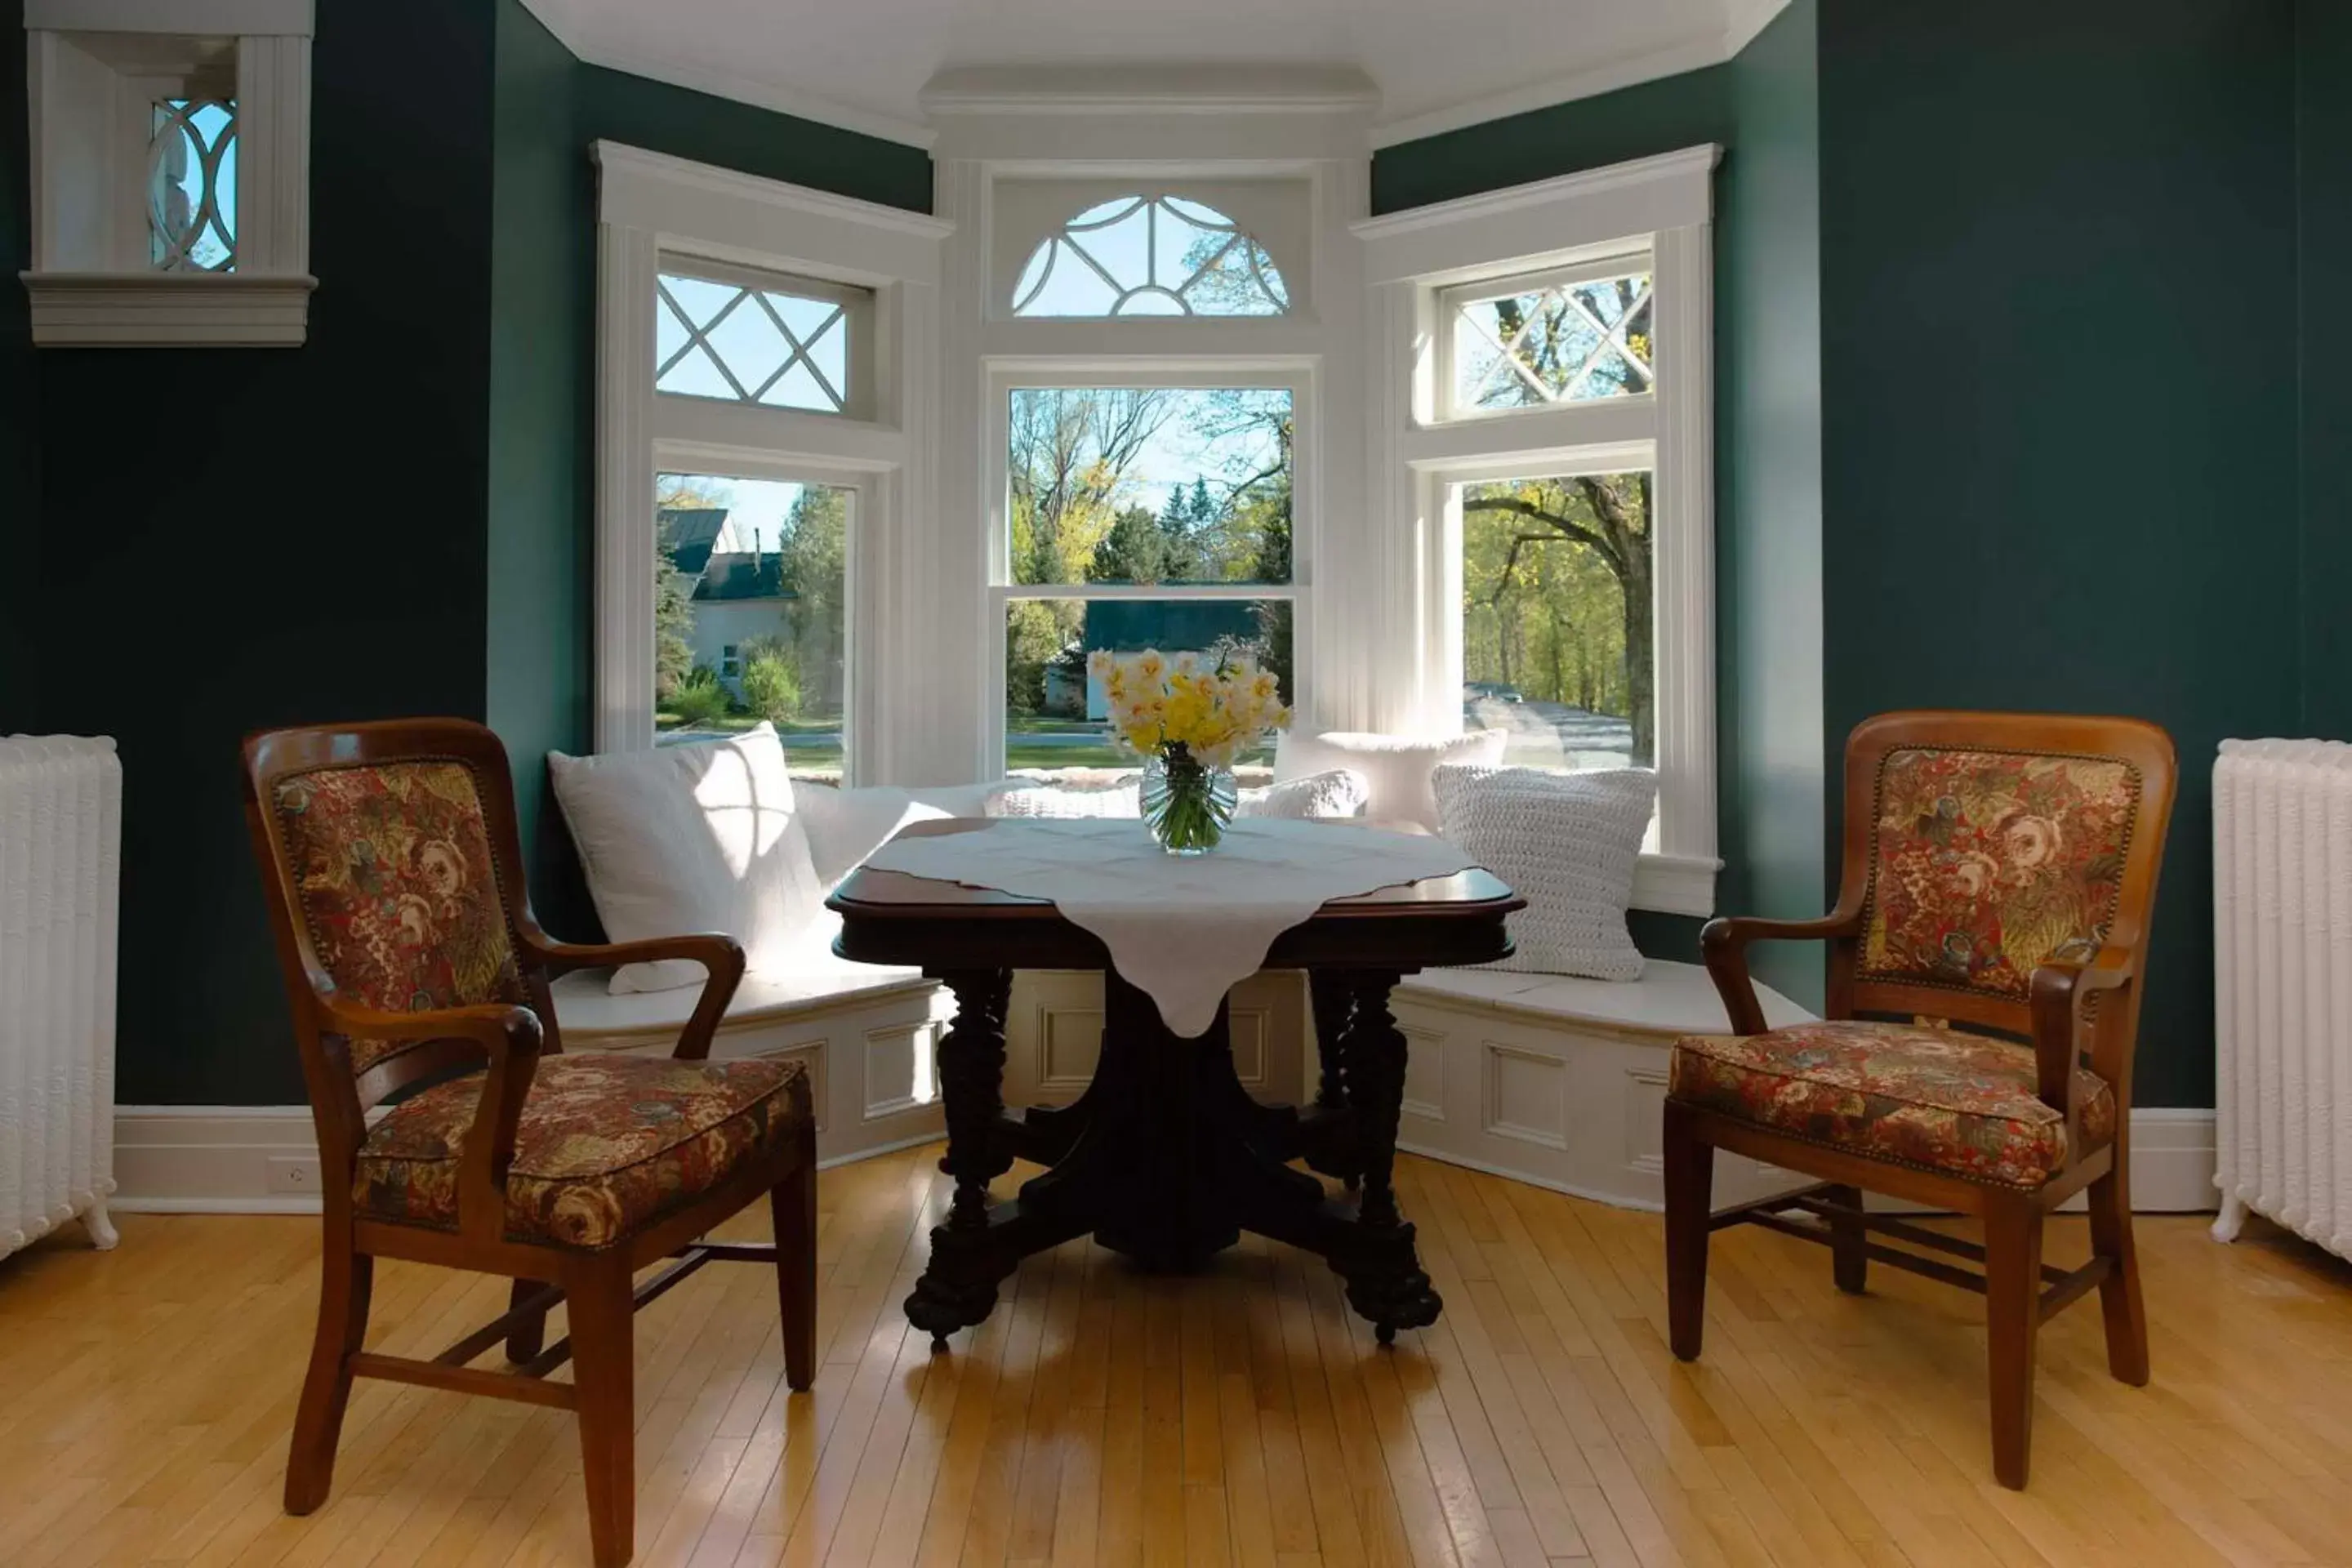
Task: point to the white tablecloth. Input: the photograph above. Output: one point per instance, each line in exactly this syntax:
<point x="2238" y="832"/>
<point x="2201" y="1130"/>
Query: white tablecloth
<point x="1182" y="930"/>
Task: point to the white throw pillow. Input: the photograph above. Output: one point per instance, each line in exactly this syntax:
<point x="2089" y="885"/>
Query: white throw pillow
<point x="845" y="825"/>
<point x="692" y="838"/>
<point x="1395" y="768"/>
<point x="1569" y="843"/>
<point x="954" y="800"/>
<point x="1023" y="797"/>
<point x="1339" y="792"/>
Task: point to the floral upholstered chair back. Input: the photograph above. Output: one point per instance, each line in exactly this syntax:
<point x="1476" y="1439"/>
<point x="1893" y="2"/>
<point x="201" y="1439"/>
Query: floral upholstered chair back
<point x="395" y="886"/>
<point x="1996" y="844"/>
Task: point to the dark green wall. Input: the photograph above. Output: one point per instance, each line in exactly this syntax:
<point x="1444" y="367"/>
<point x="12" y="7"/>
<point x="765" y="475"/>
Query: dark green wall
<point x="617" y="107"/>
<point x="539" y="669"/>
<point x="1771" y="821"/>
<point x="2060" y="470"/>
<point x="246" y="537"/>
<point x="2323" y="210"/>
<point x="1760" y="108"/>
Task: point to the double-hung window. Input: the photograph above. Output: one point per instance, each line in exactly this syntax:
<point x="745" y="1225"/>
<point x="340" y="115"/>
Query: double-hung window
<point x="753" y="430"/>
<point x="1549" y="454"/>
<point x="1145" y="491"/>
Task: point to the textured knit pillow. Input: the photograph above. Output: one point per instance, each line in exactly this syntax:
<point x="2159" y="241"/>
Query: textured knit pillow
<point x="1337" y="793"/>
<point x="1569" y="843"/>
<point x="1395" y="768"/>
<point x="693" y="837"/>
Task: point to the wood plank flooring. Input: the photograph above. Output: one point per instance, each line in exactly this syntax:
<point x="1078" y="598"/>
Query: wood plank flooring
<point x="1241" y="1417"/>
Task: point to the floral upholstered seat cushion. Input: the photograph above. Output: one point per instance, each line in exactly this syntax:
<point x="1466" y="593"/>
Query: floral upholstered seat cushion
<point x="607" y="1145"/>
<point x="1959" y="1104"/>
<point x="391" y="866"/>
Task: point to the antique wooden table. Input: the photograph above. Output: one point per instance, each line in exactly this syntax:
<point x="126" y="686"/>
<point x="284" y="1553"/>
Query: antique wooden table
<point x="1165" y="1158"/>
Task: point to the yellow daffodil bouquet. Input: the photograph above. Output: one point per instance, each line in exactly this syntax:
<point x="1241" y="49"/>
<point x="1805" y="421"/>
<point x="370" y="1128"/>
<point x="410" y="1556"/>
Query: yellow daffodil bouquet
<point x="1189" y="717"/>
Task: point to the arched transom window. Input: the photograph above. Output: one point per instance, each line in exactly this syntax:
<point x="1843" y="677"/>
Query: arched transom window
<point x="1150" y="256"/>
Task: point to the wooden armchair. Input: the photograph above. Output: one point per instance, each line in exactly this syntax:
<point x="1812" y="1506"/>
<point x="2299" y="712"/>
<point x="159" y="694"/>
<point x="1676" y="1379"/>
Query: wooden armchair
<point x="1999" y="873"/>
<point x="393" y="877"/>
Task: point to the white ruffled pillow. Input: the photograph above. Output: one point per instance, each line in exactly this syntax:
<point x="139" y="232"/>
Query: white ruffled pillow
<point x="1337" y="792"/>
<point x="1395" y="768"/>
<point x="1569" y="843"/>
<point x="698" y="836"/>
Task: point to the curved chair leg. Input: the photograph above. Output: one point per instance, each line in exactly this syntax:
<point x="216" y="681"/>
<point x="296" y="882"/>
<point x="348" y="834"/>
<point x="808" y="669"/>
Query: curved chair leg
<point x="1690" y="1191"/>
<point x="346" y="1278"/>
<point x="596" y="1292"/>
<point x="2120" y="1303"/>
<point x="529" y="1336"/>
<point x="1849" y="1242"/>
<point x="792" y="1203"/>
<point x="2012" y="1320"/>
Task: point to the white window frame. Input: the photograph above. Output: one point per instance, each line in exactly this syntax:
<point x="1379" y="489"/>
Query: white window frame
<point x="1449" y="301"/>
<point x="1416" y="263"/>
<point x="657" y="214"/>
<point x="1298" y="377"/>
<point x="857" y="308"/>
<point x="94" y="72"/>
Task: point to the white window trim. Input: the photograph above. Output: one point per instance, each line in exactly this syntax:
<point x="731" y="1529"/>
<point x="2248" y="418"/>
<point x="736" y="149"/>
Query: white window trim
<point x="1298" y="377"/>
<point x="1662" y="205"/>
<point x="651" y="206"/>
<point x="117" y="300"/>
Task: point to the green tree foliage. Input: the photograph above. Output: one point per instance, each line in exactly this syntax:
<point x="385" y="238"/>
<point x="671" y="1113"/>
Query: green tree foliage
<point x="700" y="699"/>
<point x="770" y="679"/>
<point x="1557" y="588"/>
<point x="815" y="568"/>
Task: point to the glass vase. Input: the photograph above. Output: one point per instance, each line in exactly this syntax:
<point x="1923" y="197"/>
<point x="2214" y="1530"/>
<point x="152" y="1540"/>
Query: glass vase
<point x="1187" y="807"/>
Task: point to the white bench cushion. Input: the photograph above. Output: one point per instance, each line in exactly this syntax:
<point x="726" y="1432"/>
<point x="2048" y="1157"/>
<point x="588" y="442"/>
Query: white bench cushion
<point x="1669" y="999"/>
<point x="586" y="1010"/>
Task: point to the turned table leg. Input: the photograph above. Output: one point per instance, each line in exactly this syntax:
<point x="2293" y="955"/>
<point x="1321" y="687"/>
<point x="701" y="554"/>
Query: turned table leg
<point x="959" y="1286"/>
<point x="1385" y="1282"/>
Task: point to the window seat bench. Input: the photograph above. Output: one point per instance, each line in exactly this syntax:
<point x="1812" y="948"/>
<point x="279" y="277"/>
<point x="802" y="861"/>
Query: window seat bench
<point x="867" y="1033"/>
<point x="1560" y="1082"/>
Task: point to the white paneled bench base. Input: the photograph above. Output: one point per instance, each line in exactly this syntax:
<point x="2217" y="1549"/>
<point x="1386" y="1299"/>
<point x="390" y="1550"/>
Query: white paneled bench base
<point x="1560" y="1082"/>
<point x="869" y="1036"/>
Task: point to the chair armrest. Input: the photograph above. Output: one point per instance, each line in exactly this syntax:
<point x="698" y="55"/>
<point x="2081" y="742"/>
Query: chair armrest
<point x="2057" y="996"/>
<point x="1723" y="943"/>
<point x="511" y="1036"/>
<point x="721" y="958"/>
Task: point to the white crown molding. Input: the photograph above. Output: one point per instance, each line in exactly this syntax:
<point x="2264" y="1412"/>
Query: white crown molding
<point x="562" y="18"/>
<point x="1183" y="89"/>
<point x="1673" y="59"/>
<point x="248" y="18"/>
<point x="1743" y="19"/>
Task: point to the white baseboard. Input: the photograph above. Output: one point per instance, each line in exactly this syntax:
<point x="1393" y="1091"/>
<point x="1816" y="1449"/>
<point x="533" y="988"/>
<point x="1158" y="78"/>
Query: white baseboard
<point x="215" y="1159"/>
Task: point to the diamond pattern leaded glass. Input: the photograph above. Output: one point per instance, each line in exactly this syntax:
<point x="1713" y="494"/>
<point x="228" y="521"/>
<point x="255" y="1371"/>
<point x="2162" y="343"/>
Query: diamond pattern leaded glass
<point x="750" y="345"/>
<point x="1150" y="256"/>
<point x="192" y="184"/>
<point x="1563" y="344"/>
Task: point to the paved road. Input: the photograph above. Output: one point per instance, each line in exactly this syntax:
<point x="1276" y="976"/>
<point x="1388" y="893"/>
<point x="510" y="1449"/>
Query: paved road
<point x="1553" y="736"/>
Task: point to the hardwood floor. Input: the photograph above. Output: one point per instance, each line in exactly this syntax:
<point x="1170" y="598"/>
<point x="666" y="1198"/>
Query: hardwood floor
<point x="1240" y="1417"/>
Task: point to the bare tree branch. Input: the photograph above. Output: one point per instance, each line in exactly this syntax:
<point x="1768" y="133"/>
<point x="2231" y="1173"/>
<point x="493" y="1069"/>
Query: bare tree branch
<point x="1568" y="528"/>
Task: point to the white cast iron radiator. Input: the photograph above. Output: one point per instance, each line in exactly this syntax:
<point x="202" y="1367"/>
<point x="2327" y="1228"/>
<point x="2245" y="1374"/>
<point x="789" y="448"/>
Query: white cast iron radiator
<point x="60" y="859"/>
<point x="2282" y="986"/>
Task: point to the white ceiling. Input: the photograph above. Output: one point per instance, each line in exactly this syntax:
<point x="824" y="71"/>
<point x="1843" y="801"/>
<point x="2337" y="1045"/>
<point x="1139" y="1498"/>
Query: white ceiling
<point x="1436" y="63"/>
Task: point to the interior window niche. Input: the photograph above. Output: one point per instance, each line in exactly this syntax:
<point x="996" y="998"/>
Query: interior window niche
<point x="169" y="199"/>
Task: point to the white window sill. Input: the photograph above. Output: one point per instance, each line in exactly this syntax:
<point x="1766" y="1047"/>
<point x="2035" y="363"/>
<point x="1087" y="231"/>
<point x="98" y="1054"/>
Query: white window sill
<point x="111" y="309"/>
<point x="1676" y="884"/>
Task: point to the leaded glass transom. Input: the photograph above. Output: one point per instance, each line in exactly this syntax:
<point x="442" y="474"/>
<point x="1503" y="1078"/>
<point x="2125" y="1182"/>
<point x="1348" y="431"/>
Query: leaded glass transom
<point x="1150" y="256"/>
<point x="748" y="345"/>
<point x="192" y="184"/>
<point x="1560" y="344"/>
